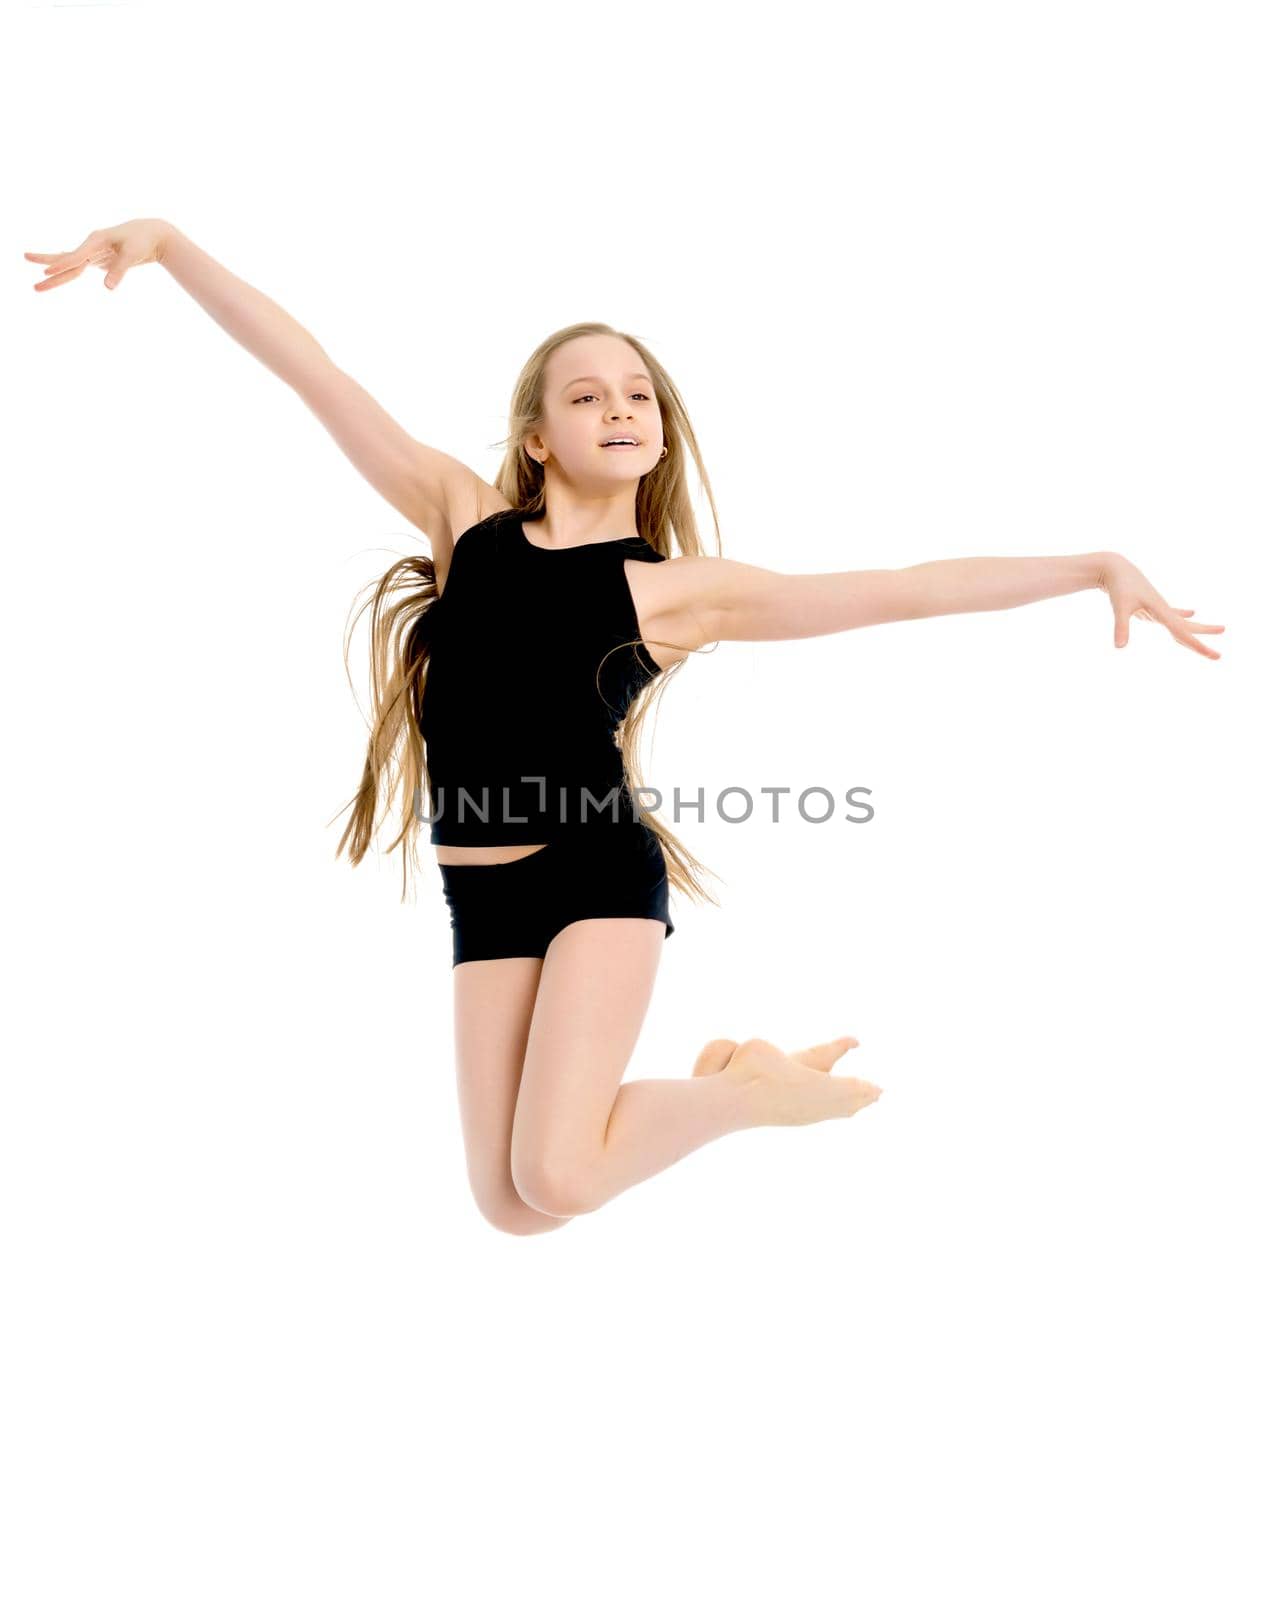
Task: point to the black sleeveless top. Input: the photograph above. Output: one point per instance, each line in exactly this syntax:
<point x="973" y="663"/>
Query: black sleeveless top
<point x="534" y="659"/>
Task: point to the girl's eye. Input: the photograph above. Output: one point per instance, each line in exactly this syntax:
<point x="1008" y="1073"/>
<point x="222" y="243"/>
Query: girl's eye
<point x="636" y="396"/>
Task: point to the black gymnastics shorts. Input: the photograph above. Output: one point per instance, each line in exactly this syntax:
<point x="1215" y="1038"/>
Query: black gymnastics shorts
<point x="516" y="908"/>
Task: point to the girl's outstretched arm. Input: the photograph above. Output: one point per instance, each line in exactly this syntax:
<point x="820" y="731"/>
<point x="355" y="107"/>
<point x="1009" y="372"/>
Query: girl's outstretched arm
<point x="433" y="490"/>
<point x="719" y="599"/>
<point x="421" y="483"/>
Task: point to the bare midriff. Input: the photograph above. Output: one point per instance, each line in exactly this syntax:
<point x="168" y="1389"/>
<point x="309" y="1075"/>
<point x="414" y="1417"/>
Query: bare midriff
<point x="482" y="855"/>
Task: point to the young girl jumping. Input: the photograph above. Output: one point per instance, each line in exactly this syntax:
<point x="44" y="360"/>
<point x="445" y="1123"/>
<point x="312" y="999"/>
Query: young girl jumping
<point x="510" y="671"/>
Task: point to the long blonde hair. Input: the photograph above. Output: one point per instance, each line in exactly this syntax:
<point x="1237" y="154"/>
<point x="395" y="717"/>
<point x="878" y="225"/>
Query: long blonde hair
<point x="403" y="598"/>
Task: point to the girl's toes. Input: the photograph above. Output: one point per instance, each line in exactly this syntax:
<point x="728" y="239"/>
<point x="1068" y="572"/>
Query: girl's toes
<point x="712" y="1057"/>
<point x="856" y="1093"/>
<point x="822" y="1057"/>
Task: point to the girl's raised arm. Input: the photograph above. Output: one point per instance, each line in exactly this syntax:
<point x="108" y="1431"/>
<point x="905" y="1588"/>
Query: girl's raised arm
<point x="714" y="598"/>
<point x="434" y="491"/>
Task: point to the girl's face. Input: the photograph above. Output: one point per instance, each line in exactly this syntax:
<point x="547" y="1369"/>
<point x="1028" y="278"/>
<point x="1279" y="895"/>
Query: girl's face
<point x="597" y="387"/>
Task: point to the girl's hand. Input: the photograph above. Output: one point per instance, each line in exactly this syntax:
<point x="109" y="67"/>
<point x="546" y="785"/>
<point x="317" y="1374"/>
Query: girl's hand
<point x="130" y="244"/>
<point x="1132" y="595"/>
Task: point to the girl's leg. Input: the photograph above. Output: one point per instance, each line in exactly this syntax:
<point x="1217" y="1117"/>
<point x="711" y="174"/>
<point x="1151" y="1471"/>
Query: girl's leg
<point x="580" y="1135"/>
<point x="492" y="1005"/>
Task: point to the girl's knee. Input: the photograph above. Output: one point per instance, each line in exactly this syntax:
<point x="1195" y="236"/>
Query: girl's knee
<point x="556" y="1188"/>
<point x="509" y="1213"/>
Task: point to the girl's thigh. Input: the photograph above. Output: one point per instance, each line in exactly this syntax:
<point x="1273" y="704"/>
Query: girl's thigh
<point x="493" y="1005"/>
<point x="555" y="960"/>
<point x="498" y="948"/>
<point x="592" y="995"/>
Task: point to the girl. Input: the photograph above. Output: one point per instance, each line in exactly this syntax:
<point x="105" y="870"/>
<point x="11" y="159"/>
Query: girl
<point x="511" y="670"/>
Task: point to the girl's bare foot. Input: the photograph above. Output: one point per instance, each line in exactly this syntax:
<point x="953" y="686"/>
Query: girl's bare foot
<point x="712" y="1057"/>
<point x="792" y="1089"/>
<point x="822" y="1057"/>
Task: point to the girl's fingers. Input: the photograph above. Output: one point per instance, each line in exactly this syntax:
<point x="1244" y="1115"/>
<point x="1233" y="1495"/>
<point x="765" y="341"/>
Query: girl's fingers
<point x="58" y="256"/>
<point x="1122" y="629"/>
<point x="81" y="258"/>
<point x="69" y="265"/>
<point x="1172" y="618"/>
<point x="1185" y="632"/>
<point x="56" y="277"/>
<point x="1193" y="643"/>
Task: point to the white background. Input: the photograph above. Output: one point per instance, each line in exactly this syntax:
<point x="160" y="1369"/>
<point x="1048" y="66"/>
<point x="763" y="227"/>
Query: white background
<point x="934" y="281"/>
